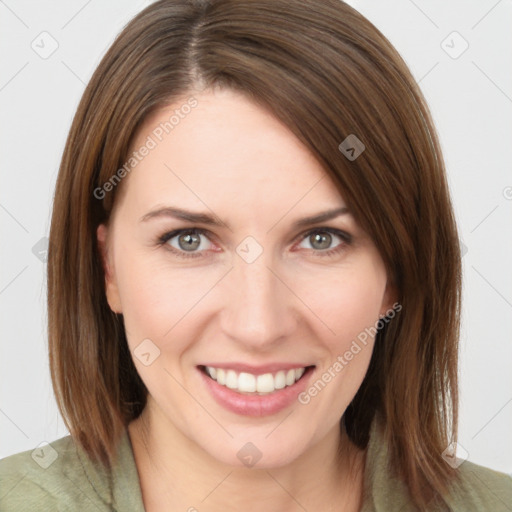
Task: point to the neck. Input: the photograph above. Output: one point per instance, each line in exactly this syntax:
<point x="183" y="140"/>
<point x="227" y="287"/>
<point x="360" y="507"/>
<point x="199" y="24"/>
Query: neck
<point x="177" y="474"/>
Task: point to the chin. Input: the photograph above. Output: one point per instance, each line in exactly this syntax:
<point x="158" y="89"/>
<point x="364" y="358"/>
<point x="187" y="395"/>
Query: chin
<point x="257" y="451"/>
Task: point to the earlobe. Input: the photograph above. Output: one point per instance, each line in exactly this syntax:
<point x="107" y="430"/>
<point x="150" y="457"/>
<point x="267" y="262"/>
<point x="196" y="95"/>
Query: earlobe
<point x="111" y="289"/>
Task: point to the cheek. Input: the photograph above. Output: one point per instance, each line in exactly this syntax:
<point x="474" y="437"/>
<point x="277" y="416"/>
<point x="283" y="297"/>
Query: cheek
<point x="349" y="306"/>
<point x="158" y="300"/>
<point x="346" y="301"/>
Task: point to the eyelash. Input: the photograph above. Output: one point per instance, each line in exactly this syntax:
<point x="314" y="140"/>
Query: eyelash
<point x="346" y="238"/>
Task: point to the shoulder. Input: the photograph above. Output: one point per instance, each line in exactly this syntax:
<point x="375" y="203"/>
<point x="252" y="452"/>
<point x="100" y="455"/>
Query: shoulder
<point x="474" y="488"/>
<point x="50" y="477"/>
<point x="480" y="488"/>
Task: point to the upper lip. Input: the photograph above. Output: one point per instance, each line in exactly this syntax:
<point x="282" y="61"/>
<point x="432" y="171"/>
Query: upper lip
<point x="257" y="369"/>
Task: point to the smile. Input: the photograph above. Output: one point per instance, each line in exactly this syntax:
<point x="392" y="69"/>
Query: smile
<point x="245" y="382"/>
<point x="247" y="391"/>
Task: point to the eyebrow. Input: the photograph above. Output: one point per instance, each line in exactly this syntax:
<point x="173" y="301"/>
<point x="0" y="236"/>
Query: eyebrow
<point x="212" y="220"/>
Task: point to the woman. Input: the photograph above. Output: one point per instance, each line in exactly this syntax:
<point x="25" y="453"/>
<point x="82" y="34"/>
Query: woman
<point x="253" y="276"/>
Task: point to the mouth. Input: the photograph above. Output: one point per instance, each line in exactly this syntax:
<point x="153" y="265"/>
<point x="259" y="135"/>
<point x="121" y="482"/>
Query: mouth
<point x="256" y="383"/>
<point x="255" y="392"/>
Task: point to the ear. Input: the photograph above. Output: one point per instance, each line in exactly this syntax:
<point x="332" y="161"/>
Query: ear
<point x="389" y="299"/>
<point x="111" y="289"/>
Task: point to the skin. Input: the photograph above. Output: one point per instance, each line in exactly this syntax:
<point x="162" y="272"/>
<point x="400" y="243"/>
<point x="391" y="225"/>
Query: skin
<point x="232" y="158"/>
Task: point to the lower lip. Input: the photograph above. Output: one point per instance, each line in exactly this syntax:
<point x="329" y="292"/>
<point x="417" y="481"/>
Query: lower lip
<point x="256" y="405"/>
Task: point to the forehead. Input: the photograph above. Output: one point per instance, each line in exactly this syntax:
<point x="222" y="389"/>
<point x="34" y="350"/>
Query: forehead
<point x="226" y="152"/>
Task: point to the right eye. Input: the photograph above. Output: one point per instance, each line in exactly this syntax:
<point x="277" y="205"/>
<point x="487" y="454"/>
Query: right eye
<point x="186" y="243"/>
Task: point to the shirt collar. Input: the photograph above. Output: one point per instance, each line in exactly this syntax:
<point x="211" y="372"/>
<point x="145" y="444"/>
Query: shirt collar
<point x="382" y="491"/>
<point x="119" y="489"/>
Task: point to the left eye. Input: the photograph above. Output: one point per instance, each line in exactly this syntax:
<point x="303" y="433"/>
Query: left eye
<point x="321" y="240"/>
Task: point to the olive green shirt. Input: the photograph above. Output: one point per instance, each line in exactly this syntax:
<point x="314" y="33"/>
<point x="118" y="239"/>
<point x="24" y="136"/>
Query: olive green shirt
<point x="60" y="477"/>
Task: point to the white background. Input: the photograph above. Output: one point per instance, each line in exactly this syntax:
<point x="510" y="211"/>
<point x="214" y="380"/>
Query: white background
<point x="471" y="101"/>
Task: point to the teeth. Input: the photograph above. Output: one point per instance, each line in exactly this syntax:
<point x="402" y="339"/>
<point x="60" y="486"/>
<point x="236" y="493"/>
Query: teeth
<point x="221" y="375"/>
<point x="299" y="372"/>
<point x="265" y="383"/>
<point x="280" y="380"/>
<point x="231" y="379"/>
<point x="260" y="384"/>
<point x="246" y="382"/>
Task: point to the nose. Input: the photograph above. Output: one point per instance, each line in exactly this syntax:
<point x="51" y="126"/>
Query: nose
<point x="259" y="309"/>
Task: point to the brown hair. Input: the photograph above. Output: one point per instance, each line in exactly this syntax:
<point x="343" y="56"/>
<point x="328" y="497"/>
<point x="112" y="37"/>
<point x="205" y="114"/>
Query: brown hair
<point x="326" y="72"/>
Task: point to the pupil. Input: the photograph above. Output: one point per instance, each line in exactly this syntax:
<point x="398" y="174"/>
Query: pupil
<point x="323" y="240"/>
<point x="192" y="241"/>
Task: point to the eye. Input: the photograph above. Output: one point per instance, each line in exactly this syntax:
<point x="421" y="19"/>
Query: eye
<point x="320" y="241"/>
<point x="187" y="243"/>
<point x="193" y="242"/>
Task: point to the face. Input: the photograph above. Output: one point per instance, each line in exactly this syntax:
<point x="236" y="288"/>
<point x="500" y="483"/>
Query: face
<point x="268" y="304"/>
